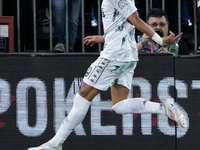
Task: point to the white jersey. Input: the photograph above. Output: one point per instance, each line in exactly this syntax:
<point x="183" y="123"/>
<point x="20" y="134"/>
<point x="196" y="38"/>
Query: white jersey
<point x="119" y="34"/>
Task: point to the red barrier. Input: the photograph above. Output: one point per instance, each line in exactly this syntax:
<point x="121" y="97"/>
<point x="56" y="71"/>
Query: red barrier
<point x="8" y="20"/>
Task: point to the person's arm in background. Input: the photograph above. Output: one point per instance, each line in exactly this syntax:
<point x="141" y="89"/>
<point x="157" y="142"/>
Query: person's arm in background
<point x="143" y="42"/>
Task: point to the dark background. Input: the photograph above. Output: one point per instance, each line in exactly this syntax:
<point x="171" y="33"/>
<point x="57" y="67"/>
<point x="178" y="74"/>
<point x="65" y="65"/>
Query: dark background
<point x="91" y="13"/>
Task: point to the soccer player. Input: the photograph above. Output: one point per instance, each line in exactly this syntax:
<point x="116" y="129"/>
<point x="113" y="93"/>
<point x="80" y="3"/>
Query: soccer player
<point x="115" y="68"/>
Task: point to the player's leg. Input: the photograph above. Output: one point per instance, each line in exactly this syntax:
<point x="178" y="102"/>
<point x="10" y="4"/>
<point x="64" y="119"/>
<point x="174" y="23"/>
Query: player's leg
<point x="79" y="109"/>
<point x="93" y="81"/>
<point x="123" y="105"/>
<point x="95" y="78"/>
<point x="138" y="105"/>
<point x="120" y="91"/>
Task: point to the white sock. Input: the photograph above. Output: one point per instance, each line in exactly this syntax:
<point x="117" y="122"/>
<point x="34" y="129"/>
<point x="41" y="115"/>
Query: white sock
<point x="75" y="116"/>
<point x="138" y="105"/>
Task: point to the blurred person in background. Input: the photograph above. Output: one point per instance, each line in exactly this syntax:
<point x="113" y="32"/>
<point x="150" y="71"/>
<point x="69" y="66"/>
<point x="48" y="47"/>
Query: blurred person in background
<point x="159" y="21"/>
<point x="59" y="23"/>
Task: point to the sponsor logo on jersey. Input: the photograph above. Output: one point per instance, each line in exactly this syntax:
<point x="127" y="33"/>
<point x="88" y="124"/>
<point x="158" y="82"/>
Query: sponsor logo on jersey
<point x="122" y="4"/>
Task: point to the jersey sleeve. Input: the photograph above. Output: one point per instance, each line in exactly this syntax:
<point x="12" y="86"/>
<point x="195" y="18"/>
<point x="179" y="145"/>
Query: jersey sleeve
<point x="125" y="7"/>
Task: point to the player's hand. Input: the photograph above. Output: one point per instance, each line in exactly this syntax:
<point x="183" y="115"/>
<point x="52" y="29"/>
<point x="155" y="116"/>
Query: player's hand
<point x="91" y="40"/>
<point x="171" y="37"/>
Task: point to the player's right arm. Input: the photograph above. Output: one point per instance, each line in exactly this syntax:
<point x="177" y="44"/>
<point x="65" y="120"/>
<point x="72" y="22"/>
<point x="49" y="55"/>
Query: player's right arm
<point x="148" y="30"/>
<point x="91" y="40"/>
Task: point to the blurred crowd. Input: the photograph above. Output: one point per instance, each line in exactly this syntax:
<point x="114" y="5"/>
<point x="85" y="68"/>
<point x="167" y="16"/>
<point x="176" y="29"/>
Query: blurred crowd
<point x="91" y="13"/>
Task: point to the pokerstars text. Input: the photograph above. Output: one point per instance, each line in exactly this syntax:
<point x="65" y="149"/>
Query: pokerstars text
<point x="62" y="105"/>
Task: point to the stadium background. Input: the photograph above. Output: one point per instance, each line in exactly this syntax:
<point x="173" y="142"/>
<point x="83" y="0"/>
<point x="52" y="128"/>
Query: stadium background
<point x="36" y="92"/>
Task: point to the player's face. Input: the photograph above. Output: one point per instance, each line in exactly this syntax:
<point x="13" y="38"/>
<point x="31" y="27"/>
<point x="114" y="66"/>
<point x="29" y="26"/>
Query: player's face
<point x="159" y="23"/>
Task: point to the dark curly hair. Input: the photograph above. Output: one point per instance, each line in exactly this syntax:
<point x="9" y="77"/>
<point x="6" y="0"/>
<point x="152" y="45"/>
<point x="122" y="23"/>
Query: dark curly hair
<point x="157" y="12"/>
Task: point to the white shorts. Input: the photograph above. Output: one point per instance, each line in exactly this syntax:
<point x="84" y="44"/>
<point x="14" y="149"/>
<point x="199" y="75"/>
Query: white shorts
<point x="104" y="73"/>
